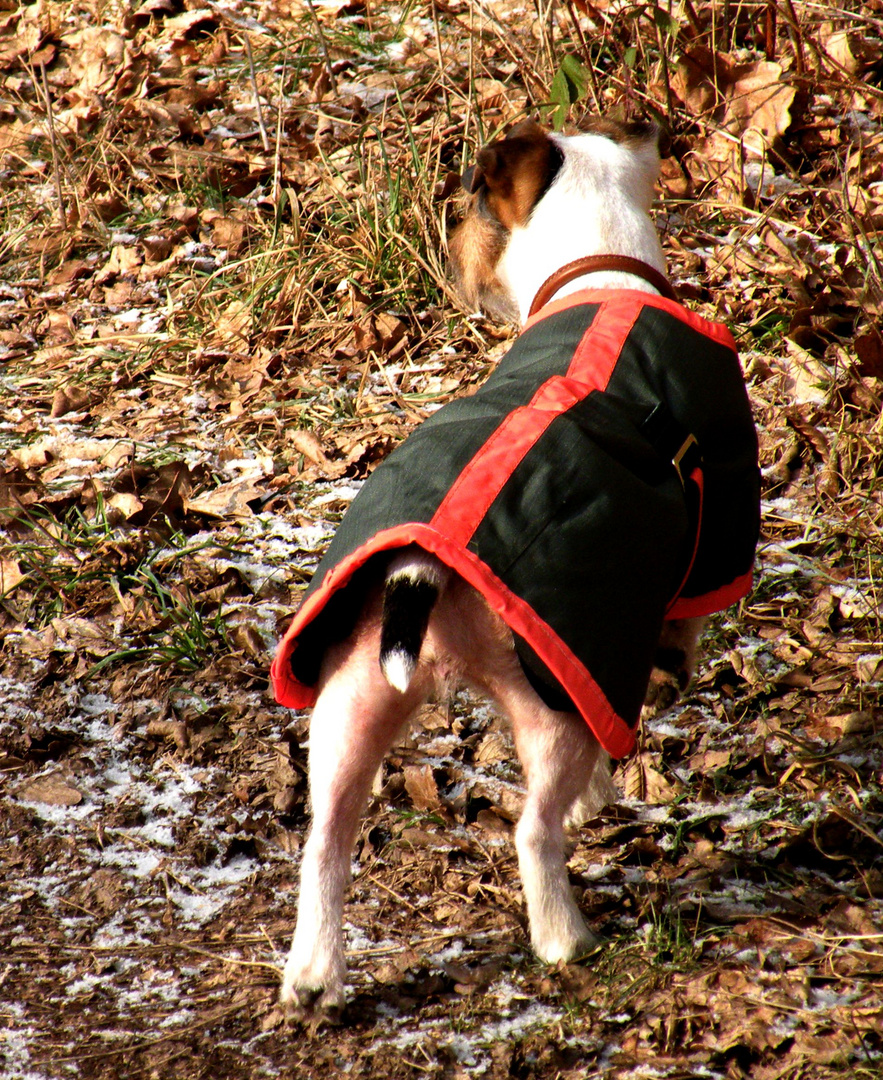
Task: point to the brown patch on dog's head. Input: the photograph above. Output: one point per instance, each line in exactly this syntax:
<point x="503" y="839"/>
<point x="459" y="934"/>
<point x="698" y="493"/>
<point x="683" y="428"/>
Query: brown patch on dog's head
<point x="628" y="132"/>
<point x="507" y="181"/>
<point x="515" y="172"/>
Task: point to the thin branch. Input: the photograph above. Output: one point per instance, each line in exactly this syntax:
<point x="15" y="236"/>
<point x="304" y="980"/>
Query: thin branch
<point x="53" y="142"/>
<point x="257" y="96"/>
<point x="323" y="44"/>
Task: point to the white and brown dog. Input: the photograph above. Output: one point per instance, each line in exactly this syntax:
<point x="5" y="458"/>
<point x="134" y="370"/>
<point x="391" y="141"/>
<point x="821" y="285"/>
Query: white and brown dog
<point x="544" y="541"/>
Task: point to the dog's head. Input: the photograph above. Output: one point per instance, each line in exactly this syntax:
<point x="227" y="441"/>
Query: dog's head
<point x="602" y="178"/>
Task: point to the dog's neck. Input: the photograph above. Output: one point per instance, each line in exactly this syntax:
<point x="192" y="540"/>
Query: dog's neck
<point x="585" y="212"/>
<point x="593" y="265"/>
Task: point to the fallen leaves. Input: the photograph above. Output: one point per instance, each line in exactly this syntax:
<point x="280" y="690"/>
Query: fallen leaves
<point x="750" y="102"/>
<point x="200" y="368"/>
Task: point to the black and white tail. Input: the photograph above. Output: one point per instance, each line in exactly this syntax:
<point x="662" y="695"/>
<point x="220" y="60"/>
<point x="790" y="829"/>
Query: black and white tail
<point x="414" y="582"/>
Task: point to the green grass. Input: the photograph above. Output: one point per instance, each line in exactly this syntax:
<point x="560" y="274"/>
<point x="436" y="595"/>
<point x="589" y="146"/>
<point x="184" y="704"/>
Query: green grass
<point x="85" y="565"/>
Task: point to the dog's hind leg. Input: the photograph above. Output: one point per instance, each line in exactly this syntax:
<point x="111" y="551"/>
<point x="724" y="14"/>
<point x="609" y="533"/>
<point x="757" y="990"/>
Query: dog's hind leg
<point x="355" y="721"/>
<point x="560" y="756"/>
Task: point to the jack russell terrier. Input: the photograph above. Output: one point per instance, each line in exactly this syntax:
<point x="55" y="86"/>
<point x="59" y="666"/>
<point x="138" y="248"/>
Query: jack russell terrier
<point x="546" y="541"/>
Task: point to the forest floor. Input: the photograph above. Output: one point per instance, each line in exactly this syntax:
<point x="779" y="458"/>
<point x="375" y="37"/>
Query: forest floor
<point x="223" y="298"/>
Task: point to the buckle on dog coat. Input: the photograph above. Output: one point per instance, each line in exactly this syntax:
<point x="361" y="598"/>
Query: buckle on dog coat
<point x="690" y="447"/>
<point x="673" y="441"/>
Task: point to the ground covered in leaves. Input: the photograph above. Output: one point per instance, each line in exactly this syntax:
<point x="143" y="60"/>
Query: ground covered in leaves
<point x="222" y="300"/>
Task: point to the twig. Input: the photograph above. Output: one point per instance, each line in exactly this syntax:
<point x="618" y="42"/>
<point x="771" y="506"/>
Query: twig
<point x="796" y="35"/>
<point x="257" y="97"/>
<point x="663" y="56"/>
<point x="590" y="67"/>
<point x="275" y="968"/>
<point x="277" y="161"/>
<point x="547" y="30"/>
<point x="441" y="67"/>
<point x="533" y="83"/>
<point x="401" y="900"/>
<point x="324" y="46"/>
<point x="144" y="1044"/>
<point x="53" y="142"/>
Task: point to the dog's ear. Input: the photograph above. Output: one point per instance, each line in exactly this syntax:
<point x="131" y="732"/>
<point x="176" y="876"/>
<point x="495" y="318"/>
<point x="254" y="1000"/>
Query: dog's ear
<point x="651" y="131"/>
<point x="663" y="140"/>
<point x="514" y="173"/>
<point x="473" y="178"/>
<point x="526" y="129"/>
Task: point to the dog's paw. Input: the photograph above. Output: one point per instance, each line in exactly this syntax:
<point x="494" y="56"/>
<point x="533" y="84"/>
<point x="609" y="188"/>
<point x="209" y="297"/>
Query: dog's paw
<point x="304" y="1002"/>
<point x="664" y="690"/>
<point x="312" y="986"/>
<point x="564" y="943"/>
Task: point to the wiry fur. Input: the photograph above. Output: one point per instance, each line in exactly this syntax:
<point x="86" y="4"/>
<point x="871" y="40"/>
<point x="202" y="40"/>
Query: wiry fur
<point x="530" y="215"/>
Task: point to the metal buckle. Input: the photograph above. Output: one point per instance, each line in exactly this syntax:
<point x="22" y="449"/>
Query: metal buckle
<point x="685" y="448"/>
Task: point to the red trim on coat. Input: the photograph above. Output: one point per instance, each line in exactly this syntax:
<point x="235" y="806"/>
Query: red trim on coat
<point x="697" y="477"/>
<point x="714" y="330"/>
<point x="611" y="731"/>
<point x="687" y="607"/>
<point x="464" y="507"/>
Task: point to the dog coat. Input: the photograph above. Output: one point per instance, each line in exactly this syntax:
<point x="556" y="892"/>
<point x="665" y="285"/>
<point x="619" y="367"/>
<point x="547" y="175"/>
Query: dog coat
<point x="603" y="479"/>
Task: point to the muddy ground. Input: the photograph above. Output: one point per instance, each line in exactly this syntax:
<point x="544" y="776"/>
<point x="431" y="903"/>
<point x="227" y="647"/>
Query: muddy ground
<point x="223" y="299"/>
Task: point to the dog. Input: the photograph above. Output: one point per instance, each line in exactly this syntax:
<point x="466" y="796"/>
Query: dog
<point x="545" y="541"/>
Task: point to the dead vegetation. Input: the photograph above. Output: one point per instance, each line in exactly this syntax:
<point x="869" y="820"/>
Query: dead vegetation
<point x="222" y="300"/>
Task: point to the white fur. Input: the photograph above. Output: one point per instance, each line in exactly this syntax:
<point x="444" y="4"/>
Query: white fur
<point x="411" y="564"/>
<point x="418" y="565"/>
<point x="598" y="204"/>
<point x="399" y="668"/>
<point x="355" y="721"/>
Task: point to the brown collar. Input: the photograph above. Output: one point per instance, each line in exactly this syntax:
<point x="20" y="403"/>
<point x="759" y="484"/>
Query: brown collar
<point x="590" y="264"/>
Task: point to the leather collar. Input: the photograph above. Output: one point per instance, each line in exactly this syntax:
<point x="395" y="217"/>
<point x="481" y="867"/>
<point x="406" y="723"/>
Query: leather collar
<point x="590" y="264"/>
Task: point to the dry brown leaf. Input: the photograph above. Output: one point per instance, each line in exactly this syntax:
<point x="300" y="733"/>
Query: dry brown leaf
<point x="869" y="349"/>
<point x="234" y="325"/>
<point x="10" y="575"/>
<point x="492" y="748"/>
<point x="851" y="50"/>
<point x="228" y="500"/>
<point x="96" y="56"/>
<point x="19" y="38"/>
<point x="248" y="639"/>
<point x="226" y="232"/>
<point x="123" y="260"/>
<point x="759" y="104"/>
<point x="85" y="635"/>
<point x="125" y="503"/>
<point x="421" y="787"/>
<point x="53" y="789"/>
<point x="174" y="730"/>
<point x="306" y="443"/>
<point x="640" y="780"/>
<point x="745" y="98"/>
<point x="67" y="399"/>
<point x="198" y="21"/>
<point x="807" y="380"/>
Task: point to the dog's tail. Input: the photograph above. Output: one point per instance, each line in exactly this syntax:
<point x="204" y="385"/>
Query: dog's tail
<point x="414" y="581"/>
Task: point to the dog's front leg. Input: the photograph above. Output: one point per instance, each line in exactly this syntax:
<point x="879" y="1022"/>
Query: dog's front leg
<point x="675" y="662"/>
<point x="354" y="722"/>
<point x="560" y="757"/>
